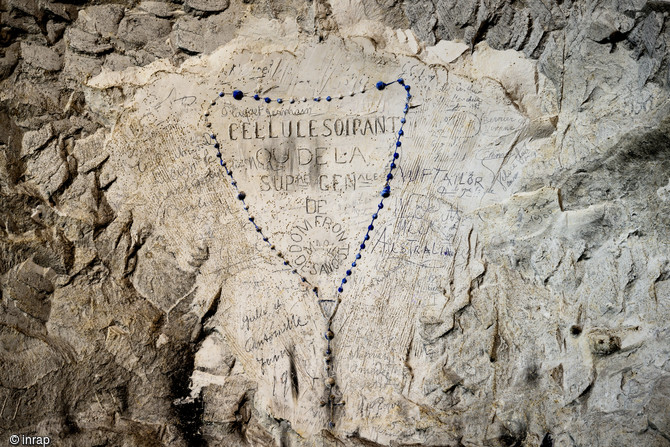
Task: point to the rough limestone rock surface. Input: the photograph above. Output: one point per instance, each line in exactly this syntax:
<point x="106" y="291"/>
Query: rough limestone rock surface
<point x="171" y="254"/>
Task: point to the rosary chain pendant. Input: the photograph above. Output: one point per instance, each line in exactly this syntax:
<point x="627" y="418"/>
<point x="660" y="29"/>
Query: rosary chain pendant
<point x="330" y="382"/>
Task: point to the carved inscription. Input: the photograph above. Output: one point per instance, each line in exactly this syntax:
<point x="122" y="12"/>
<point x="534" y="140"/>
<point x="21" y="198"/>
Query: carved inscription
<point x="315" y="159"/>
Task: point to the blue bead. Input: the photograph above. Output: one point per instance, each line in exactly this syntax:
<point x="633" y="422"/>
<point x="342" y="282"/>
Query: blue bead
<point x="409" y="96"/>
<point x="401" y="132"/>
<point x="389" y="176"/>
<point x="362" y="246"/>
<point x="303" y="279"/>
<point x="403" y="120"/>
<point x="353" y="264"/>
<point x="212" y="136"/>
<point x="371" y="227"/>
<point x="348" y="272"/>
<point x="396" y="155"/>
<point x="358" y="256"/>
<point x="374" y="216"/>
<point x="221" y="94"/>
<point x="267" y="99"/>
<point x="285" y="262"/>
<point x="237" y="94"/>
<point x="366" y="237"/>
<point x="386" y="192"/>
<point x="407" y="87"/>
<point x="241" y="195"/>
<point x="328" y="98"/>
<point x="317" y="99"/>
<point x="279" y="101"/>
<point x="257" y="97"/>
<point x="344" y="280"/>
<point x="340" y="289"/>
<point x="380" y="85"/>
<point x="393" y="166"/>
<point x="218" y="154"/>
<point x="234" y="183"/>
<point x="406" y="108"/>
<point x="398" y="143"/>
<point x="381" y="205"/>
<point x="401" y="81"/>
<point x="217" y="145"/>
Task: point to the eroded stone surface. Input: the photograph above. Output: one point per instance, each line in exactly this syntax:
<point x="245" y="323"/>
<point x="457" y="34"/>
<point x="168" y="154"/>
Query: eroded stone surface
<point x="515" y="287"/>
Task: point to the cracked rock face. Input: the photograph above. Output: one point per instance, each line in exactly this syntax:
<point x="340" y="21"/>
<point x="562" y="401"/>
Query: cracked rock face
<point x="514" y="288"/>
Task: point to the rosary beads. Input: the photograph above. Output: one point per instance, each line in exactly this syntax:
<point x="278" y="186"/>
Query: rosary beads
<point x="238" y="95"/>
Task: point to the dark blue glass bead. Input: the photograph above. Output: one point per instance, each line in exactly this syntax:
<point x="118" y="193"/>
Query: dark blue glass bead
<point x="367" y="237"/>
<point x="398" y="143"/>
<point x="380" y="85"/>
<point x="353" y="264"/>
<point x="257" y="97"/>
<point x="401" y="81"/>
<point x="267" y="100"/>
<point x="259" y="229"/>
<point x="409" y="96"/>
<point x="344" y="280"/>
<point x="329" y="335"/>
<point x="328" y="98"/>
<point x="362" y="246"/>
<point x="403" y="120"/>
<point x="358" y="256"/>
<point x="381" y="205"/>
<point x="237" y="94"/>
<point x="406" y="108"/>
<point x="348" y="272"/>
<point x="217" y="145"/>
<point x="396" y="155"/>
<point x="279" y="101"/>
<point x="340" y="289"/>
<point x="251" y="218"/>
<point x="221" y="94"/>
<point x="241" y="195"/>
<point x="389" y="176"/>
<point x="393" y="166"/>
<point x="212" y="136"/>
<point x="407" y="87"/>
<point x="386" y="192"/>
<point x="234" y="183"/>
<point x="371" y="227"/>
<point x="218" y="154"/>
<point x="303" y="279"/>
<point x="401" y="132"/>
<point x="265" y="239"/>
<point x="374" y="216"/>
<point x="285" y="262"/>
<point x="317" y="99"/>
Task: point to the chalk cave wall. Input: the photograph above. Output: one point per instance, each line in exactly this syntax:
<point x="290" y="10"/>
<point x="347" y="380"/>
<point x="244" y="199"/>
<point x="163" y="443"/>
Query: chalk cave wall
<point x="554" y="328"/>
